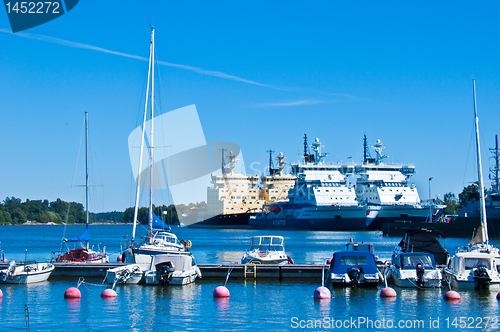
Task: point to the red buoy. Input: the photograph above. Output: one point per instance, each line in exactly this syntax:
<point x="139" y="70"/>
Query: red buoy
<point x="221" y="291"/>
<point x="388" y="292"/>
<point x="72" y="293"/>
<point x="322" y="293"/>
<point x="108" y="292"/>
<point x="1" y="294"/>
<point x="451" y="295"/>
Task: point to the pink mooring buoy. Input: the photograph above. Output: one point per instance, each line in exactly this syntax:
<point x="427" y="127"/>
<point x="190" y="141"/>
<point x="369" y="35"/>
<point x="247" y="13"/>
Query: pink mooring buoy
<point x="108" y="292"/>
<point x="119" y="258"/>
<point x="388" y="292"/>
<point x="322" y="293"/>
<point x="451" y="295"/>
<point x="1" y="294"/>
<point x="72" y="293"/>
<point x="221" y="291"/>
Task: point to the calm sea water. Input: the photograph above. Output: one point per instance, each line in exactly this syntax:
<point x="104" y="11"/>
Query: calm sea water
<point x="253" y="305"/>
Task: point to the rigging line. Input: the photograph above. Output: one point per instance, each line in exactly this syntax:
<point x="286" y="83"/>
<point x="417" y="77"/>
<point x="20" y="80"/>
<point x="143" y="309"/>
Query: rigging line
<point x="468" y="155"/>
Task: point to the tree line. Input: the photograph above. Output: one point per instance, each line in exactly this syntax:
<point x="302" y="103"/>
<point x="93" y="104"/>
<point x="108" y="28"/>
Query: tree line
<point x="15" y="212"/>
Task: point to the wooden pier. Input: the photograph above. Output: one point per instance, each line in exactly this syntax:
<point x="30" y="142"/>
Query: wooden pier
<point x="208" y="271"/>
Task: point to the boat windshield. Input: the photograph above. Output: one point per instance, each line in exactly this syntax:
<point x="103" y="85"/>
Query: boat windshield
<point x="353" y="260"/>
<point x="267" y="247"/>
<point x="472" y="263"/>
<point x="267" y="243"/>
<point x="411" y="261"/>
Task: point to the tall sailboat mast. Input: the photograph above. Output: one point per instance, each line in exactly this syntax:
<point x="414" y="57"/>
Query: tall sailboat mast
<point x="484" y="224"/>
<point x="151" y="160"/>
<point x="87" y="171"/>
<point x="150" y="68"/>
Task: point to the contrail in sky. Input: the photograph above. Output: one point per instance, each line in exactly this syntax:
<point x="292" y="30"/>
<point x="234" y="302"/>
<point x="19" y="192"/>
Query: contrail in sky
<point x="136" y="57"/>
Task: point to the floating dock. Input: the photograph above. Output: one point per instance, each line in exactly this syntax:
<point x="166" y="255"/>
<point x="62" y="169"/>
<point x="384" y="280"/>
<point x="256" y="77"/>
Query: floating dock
<point x="208" y="271"/>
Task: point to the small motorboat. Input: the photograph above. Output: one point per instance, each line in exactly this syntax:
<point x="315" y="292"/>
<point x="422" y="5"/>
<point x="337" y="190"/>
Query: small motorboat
<point x="415" y="269"/>
<point x="127" y="274"/>
<point x="25" y="272"/>
<point x="414" y="260"/>
<point x="266" y="250"/>
<point x="353" y="269"/>
<point x="172" y="269"/>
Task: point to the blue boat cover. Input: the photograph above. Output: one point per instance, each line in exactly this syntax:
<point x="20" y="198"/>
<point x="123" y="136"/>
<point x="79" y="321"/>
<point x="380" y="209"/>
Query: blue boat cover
<point x="84" y="237"/>
<point x="158" y="223"/>
<point x="344" y="260"/>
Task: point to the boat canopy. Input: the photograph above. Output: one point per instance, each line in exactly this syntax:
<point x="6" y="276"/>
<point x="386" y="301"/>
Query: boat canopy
<point x="85" y="236"/>
<point x="422" y="240"/>
<point x="344" y="260"/>
<point x="159" y="224"/>
<point x="267" y="243"/>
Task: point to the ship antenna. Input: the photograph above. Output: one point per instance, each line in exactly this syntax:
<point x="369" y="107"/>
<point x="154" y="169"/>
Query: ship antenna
<point x="365" y="150"/>
<point x="271" y="170"/>
<point x="305" y="146"/>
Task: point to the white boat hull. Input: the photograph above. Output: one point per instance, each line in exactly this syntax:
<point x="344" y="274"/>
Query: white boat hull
<point x="27" y="274"/>
<point x="407" y="278"/>
<point x="128" y="274"/>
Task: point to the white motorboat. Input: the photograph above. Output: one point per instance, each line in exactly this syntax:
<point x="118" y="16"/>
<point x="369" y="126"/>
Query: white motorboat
<point x="415" y="269"/>
<point x="127" y="274"/>
<point x="476" y="265"/>
<point x="266" y="250"/>
<point x="25" y="272"/>
<point x="172" y="269"/>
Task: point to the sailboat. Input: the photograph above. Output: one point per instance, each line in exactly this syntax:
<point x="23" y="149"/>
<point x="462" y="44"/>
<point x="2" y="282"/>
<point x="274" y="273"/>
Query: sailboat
<point x="84" y="254"/>
<point x="477" y="265"/>
<point x="161" y="247"/>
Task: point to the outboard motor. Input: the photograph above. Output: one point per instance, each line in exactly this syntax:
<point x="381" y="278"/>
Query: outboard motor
<point x="9" y="272"/>
<point x="420" y="275"/>
<point x="481" y="277"/>
<point x="354" y="274"/>
<point x="164" y="272"/>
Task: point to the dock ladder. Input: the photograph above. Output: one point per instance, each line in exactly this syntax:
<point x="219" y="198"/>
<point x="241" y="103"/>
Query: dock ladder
<point x="250" y="271"/>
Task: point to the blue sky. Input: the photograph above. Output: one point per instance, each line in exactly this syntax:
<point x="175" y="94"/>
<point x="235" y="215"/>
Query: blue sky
<point x="261" y="74"/>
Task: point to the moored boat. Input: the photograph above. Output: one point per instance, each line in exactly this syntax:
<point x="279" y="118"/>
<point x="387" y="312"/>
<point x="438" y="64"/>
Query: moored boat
<point x="85" y="254"/>
<point x="172" y="269"/>
<point x="127" y="274"/>
<point x="160" y="245"/>
<point x="266" y="250"/>
<point x="416" y="270"/>
<point x="478" y="264"/>
<point x="25" y="272"/>
<point x="353" y="269"/>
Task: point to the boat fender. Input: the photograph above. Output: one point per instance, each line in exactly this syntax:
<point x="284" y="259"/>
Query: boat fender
<point x="290" y="260"/>
<point x="124" y="257"/>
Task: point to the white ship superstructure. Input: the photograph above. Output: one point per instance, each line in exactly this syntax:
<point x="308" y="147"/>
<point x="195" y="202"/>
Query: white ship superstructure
<point x="321" y="199"/>
<point x="388" y="186"/>
<point x="233" y="193"/>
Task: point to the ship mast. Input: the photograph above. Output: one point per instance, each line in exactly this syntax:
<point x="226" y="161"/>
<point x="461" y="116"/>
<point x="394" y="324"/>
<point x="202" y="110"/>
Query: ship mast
<point x="484" y="224"/>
